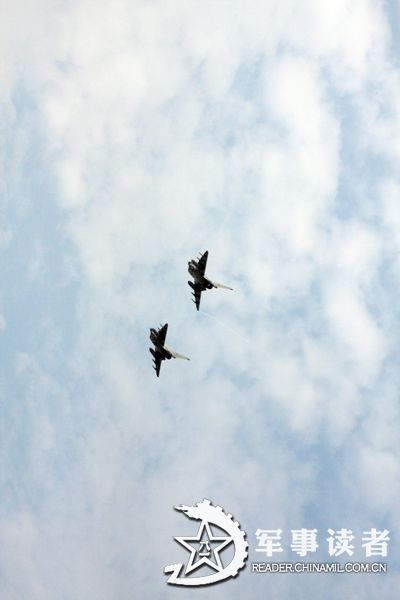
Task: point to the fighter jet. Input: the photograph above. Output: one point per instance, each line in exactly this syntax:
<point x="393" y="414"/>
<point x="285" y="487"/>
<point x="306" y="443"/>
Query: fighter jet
<point x="201" y="283"/>
<point x="161" y="352"/>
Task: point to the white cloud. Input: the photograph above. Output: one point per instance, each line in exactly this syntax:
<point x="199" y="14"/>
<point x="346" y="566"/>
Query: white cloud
<point x="161" y="147"/>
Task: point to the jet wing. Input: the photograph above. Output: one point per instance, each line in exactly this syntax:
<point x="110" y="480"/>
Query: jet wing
<point x="197" y="297"/>
<point x="220" y="285"/>
<point x="201" y="265"/>
<point x="162" y="334"/>
<point x="157" y="365"/>
<point x="177" y="355"/>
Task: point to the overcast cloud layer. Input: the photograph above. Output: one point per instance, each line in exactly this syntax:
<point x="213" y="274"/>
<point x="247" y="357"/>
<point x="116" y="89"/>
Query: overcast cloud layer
<point x="133" y="136"/>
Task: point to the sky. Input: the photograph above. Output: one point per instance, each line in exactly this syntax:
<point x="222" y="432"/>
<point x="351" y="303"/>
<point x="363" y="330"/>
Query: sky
<point x="133" y="136"/>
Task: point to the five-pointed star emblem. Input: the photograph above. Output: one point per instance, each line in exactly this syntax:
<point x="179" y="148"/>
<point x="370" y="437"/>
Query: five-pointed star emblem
<point x="203" y="540"/>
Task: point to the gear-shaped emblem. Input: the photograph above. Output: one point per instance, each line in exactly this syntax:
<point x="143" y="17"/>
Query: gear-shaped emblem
<point x="205" y="547"/>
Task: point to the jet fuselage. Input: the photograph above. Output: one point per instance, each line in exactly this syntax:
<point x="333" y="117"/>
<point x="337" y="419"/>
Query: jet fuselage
<point x="199" y="279"/>
<point x="159" y="350"/>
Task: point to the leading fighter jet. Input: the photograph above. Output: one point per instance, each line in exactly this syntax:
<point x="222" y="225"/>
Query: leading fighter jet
<point x="201" y="283"/>
<point x="161" y="352"/>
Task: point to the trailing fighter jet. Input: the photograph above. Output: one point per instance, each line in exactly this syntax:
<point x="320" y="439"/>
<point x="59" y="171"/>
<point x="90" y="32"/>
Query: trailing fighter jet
<point x="201" y="283"/>
<point x="161" y="352"/>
